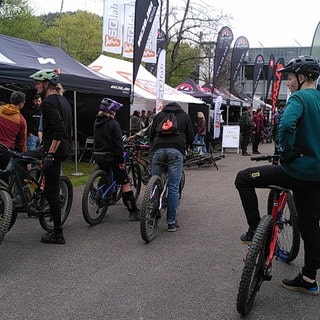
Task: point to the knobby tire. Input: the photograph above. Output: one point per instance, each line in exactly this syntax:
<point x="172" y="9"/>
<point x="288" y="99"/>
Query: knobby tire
<point x="66" y="199"/>
<point x="94" y="208"/>
<point x="134" y="173"/>
<point x="150" y="214"/>
<point x="253" y="270"/>
<point x="288" y="242"/>
<point x="5" y="213"/>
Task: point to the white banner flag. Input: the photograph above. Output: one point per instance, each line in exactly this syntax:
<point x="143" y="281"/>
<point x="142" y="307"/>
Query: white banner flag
<point x="150" y="51"/>
<point x="112" y="26"/>
<point x="161" y="77"/>
<point x="128" y="31"/>
<point x="216" y="121"/>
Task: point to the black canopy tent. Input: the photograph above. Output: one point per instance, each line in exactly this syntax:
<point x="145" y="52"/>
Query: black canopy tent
<point x="20" y="58"/>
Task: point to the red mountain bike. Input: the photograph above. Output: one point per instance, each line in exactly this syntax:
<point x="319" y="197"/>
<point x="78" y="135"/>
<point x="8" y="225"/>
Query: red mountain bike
<point x="277" y="235"/>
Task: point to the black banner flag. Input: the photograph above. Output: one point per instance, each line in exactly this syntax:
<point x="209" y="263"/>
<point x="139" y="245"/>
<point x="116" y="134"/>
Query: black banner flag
<point x="257" y="70"/>
<point x="161" y="43"/>
<point x="239" y="52"/>
<point x="225" y="38"/>
<point x="145" y="12"/>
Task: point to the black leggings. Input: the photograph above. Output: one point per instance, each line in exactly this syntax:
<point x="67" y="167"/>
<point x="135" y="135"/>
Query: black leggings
<point x="307" y="200"/>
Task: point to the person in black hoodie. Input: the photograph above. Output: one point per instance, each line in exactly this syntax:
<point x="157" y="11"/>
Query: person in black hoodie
<point x="108" y="140"/>
<point x="56" y="141"/>
<point x="170" y="149"/>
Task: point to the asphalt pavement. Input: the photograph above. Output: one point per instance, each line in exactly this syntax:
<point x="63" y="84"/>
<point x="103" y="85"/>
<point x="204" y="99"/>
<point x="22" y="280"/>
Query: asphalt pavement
<point x="107" y="272"/>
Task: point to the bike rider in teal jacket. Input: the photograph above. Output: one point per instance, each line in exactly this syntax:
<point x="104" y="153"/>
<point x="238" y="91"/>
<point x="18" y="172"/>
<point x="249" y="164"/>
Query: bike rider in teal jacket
<point x="299" y="171"/>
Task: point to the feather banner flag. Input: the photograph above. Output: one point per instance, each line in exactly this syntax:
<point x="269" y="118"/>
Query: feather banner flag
<point x="225" y="38"/>
<point x="276" y="84"/>
<point x="257" y="70"/>
<point x="145" y="13"/>
<point x="239" y="52"/>
<point x="270" y="76"/>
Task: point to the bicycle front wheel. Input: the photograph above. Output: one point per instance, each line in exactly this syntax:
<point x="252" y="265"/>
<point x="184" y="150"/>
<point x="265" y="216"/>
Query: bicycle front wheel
<point x="66" y="199"/>
<point x="94" y="207"/>
<point x="288" y="241"/>
<point x="150" y="214"/>
<point x="5" y="213"/>
<point x="254" y="269"/>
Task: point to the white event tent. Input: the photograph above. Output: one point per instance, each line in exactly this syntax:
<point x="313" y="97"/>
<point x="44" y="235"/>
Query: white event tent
<point x="145" y="84"/>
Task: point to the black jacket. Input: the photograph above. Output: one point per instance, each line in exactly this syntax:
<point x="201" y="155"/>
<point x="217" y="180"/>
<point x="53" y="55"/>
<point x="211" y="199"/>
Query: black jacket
<point x="179" y="142"/>
<point x="57" y="124"/>
<point x="108" y="136"/>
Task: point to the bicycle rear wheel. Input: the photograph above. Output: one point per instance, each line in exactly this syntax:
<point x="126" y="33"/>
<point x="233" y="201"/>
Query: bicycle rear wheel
<point x="288" y="242"/>
<point x="66" y="199"/>
<point x="134" y="173"/>
<point x="253" y="272"/>
<point x="94" y="208"/>
<point x="150" y="214"/>
<point x="5" y="213"/>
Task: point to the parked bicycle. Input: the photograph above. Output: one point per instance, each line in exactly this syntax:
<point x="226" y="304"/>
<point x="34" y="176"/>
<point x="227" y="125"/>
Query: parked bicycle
<point x="196" y="159"/>
<point x="277" y="236"/>
<point x="154" y="204"/>
<point x="5" y="212"/>
<point x="102" y="191"/>
<point x="24" y="180"/>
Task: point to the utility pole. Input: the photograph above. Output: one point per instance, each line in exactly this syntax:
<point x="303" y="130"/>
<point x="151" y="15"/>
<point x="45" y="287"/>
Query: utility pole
<point x="61" y="8"/>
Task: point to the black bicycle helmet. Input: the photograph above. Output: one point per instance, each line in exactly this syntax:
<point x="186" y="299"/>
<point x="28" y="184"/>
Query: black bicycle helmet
<point x="46" y="75"/>
<point x="108" y="105"/>
<point x="306" y="65"/>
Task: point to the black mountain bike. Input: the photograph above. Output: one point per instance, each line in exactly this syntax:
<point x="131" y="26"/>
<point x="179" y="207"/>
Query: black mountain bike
<point x="24" y="180"/>
<point x="154" y="204"/>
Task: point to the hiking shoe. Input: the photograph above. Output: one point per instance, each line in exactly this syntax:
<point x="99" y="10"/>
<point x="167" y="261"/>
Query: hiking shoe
<point x="247" y="237"/>
<point x="53" y="238"/>
<point x="172" y="227"/>
<point x="256" y="152"/>
<point x="299" y="284"/>
<point x="134" y="216"/>
<point x="246" y="154"/>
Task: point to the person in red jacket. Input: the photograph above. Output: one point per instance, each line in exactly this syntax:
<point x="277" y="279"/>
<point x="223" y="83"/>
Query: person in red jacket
<point x="13" y="126"/>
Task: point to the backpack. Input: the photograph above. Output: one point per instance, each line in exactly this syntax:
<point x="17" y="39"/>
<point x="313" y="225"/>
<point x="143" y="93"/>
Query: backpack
<point x="168" y="126"/>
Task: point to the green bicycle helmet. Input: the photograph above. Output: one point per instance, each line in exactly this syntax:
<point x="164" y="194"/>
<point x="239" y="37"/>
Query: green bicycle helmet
<point x="46" y="75"/>
<point x="306" y="65"/>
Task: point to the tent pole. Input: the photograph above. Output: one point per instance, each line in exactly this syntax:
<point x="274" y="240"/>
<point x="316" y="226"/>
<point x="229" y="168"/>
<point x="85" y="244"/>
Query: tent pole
<point x="76" y="173"/>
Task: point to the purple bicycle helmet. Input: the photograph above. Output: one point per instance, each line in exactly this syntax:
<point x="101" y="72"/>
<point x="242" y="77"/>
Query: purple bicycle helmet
<point x="108" y="105"/>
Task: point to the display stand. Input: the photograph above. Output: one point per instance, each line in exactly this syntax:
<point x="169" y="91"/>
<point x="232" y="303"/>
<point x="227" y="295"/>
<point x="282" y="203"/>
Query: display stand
<point x="230" y="138"/>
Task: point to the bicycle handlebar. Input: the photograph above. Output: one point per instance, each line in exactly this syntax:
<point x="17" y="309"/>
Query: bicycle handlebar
<point x="275" y="158"/>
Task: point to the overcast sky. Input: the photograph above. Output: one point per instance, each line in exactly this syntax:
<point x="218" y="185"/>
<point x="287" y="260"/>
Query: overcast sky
<point x="270" y="23"/>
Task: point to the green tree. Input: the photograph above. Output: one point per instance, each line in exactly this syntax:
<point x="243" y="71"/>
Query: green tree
<point x="79" y="34"/>
<point x="17" y="20"/>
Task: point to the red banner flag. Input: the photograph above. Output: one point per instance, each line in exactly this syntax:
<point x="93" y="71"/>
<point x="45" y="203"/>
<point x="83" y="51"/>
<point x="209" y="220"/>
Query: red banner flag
<point x="276" y="84"/>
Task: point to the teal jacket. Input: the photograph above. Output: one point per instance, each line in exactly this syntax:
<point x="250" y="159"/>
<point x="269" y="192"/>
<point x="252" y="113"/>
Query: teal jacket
<point x="299" y="135"/>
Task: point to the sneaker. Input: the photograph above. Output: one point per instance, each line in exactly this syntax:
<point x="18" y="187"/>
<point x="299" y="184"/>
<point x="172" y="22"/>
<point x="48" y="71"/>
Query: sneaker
<point x="246" y="154"/>
<point x="53" y="238"/>
<point x="247" y="237"/>
<point x="256" y="152"/>
<point x="134" y="216"/>
<point x="172" y="227"/>
<point x="299" y="284"/>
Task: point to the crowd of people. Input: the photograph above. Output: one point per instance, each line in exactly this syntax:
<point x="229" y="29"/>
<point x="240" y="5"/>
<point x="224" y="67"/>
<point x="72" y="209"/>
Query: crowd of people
<point x="297" y="143"/>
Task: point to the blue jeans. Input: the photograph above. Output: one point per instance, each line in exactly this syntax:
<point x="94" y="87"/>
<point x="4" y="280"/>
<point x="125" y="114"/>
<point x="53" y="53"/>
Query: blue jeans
<point x="199" y="139"/>
<point x="174" y="160"/>
<point x="32" y="142"/>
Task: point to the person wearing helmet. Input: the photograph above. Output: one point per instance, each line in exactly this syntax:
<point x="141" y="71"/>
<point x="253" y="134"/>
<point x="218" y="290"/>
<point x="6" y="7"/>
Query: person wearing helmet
<point x="109" y="149"/>
<point x="56" y="142"/>
<point x="299" y="169"/>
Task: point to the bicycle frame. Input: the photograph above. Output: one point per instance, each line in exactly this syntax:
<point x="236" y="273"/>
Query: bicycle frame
<point x="279" y="203"/>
